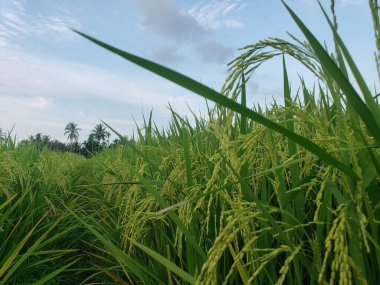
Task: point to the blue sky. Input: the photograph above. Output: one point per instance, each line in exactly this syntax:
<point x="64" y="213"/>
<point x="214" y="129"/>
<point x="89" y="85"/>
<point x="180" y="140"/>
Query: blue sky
<point x="50" y="76"/>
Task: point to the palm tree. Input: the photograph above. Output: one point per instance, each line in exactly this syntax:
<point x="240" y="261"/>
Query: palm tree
<point x="38" y="138"/>
<point x="72" y="132"/>
<point x="100" y="133"/>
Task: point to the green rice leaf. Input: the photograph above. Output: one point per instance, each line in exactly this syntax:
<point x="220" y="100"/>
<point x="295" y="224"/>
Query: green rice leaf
<point x="329" y="65"/>
<point x="165" y="262"/>
<point x="218" y="98"/>
<point x="370" y="100"/>
<point x="51" y="275"/>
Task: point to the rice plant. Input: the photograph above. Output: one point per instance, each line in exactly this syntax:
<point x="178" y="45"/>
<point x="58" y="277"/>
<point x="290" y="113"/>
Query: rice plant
<point x="286" y="194"/>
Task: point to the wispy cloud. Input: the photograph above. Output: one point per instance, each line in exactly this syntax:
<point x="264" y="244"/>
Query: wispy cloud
<point x="12" y="24"/>
<point x="17" y="25"/>
<point x="217" y="14"/>
<point x="164" y="18"/>
<point x="56" y="27"/>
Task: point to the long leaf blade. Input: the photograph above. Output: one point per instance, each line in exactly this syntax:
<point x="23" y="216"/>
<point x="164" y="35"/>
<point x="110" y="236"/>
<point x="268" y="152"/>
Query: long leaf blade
<point x="165" y="262"/>
<point x="218" y="98"/>
<point x="352" y="96"/>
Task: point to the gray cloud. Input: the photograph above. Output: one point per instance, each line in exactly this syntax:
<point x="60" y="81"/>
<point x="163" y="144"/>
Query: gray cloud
<point x="215" y="52"/>
<point x="164" y="18"/>
<point x="167" y="54"/>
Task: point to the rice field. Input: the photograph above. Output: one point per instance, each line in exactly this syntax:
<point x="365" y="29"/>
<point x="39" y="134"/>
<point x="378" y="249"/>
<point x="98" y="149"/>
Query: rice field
<point x="281" y="194"/>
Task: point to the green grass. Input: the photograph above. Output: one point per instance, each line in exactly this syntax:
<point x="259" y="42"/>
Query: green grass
<point x="286" y="194"/>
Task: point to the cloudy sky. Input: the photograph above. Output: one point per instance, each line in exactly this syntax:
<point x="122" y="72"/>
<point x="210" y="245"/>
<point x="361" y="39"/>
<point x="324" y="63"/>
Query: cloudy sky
<point x="50" y="76"/>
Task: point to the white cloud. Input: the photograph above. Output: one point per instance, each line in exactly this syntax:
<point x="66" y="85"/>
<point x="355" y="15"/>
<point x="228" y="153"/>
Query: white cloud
<point x="11" y="104"/>
<point x="28" y="115"/>
<point x="217" y="14"/>
<point x="34" y="89"/>
<point x="26" y="75"/>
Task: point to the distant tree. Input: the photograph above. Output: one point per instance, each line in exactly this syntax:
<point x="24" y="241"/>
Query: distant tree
<point x="91" y="146"/>
<point x="116" y="142"/>
<point x="38" y="138"/>
<point x="57" y="145"/>
<point x="108" y="138"/>
<point x="72" y="131"/>
<point x="119" y="141"/>
<point x="76" y="147"/>
<point x="100" y="133"/>
<point x="45" y="141"/>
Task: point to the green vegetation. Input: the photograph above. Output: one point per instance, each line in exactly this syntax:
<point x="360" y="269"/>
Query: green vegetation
<point x="97" y="141"/>
<point x="277" y="195"/>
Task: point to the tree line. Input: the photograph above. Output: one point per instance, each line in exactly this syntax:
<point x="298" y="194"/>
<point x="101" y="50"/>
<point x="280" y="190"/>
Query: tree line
<point x="98" y="140"/>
